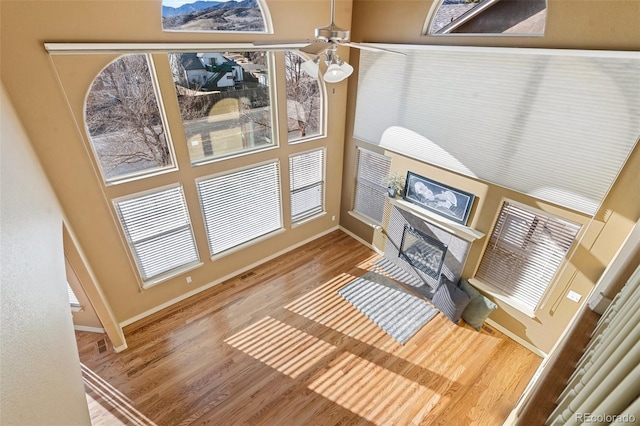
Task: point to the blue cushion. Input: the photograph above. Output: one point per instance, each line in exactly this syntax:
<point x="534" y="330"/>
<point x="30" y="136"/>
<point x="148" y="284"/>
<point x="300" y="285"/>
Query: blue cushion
<point x="479" y="306"/>
<point x="450" y="299"/>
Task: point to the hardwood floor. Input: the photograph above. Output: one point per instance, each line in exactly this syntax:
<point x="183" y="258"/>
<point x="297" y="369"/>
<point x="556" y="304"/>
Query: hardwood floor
<point x="279" y="346"/>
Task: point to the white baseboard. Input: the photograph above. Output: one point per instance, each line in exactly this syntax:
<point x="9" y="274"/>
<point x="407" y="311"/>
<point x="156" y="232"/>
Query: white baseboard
<point x="361" y="241"/>
<point x="516" y="338"/>
<point x="120" y="348"/>
<point x="221" y="280"/>
<point x="89" y="329"/>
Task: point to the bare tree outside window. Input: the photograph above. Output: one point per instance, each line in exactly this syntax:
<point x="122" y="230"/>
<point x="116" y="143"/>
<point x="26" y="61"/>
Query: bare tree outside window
<point x="123" y="119"/>
<point x="303" y="100"/>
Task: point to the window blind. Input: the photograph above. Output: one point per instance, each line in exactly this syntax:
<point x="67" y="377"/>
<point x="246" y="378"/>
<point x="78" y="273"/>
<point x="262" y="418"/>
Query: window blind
<point x="241" y="206"/>
<point x="524" y="252"/>
<point x="158" y="229"/>
<point x="557" y="125"/>
<point x="306" y="171"/>
<point x="370" y="189"/>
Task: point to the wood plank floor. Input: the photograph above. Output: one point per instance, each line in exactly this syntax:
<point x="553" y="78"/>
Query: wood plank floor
<point x="279" y="346"/>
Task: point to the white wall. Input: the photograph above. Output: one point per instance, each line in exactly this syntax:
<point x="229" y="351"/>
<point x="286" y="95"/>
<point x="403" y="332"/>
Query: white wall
<point x="39" y="365"/>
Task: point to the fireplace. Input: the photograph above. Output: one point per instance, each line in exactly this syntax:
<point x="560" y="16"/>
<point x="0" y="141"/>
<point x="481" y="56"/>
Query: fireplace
<point x="422" y="251"/>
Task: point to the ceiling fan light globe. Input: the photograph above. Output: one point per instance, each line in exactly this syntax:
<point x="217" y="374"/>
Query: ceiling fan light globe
<point x="310" y="67"/>
<point x="334" y="74"/>
<point x="346" y="68"/>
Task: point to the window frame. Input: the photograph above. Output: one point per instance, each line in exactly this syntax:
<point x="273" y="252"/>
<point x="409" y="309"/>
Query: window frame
<point x="382" y="190"/>
<point x="244" y="244"/>
<point x="323" y="113"/>
<point x="500" y="294"/>
<point x="322" y="183"/>
<point x="134" y="176"/>
<point x="167" y="274"/>
<point x="273" y="104"/>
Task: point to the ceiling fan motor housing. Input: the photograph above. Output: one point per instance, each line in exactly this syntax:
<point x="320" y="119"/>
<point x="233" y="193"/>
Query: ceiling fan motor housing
<point x="332" y="33"/>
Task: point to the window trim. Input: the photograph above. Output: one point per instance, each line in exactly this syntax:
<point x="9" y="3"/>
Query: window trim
<point x="322" y="182"/>
<point x="553" y="283"/>
<point x="324" y="110"/>
<point x="134" y="176"/>
<point x="264" y="11"/>
<point x="245" y="244"/>
<point x="273" y="106"/>
<point x="171" y="273"/>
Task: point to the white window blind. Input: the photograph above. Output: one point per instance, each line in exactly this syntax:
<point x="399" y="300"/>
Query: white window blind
<point x="158" y="229"/>
<point x="525" y="250"/>
<point x="241" y="206"/>
<point x="370" y="189"/>
<point x="557" y="125"/>
<point x="306" y="172"/>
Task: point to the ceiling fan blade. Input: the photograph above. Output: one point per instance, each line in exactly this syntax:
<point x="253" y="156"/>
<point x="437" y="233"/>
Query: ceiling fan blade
<point x="282" y="44"/>
<point x="316" y="47"/>
<point x="372" y="48"/>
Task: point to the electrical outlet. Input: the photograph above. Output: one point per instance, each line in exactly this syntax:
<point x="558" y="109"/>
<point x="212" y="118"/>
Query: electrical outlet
<point x="188" y="279"/>
<point x="333" y="218"/>
<point x="573" y="296"/>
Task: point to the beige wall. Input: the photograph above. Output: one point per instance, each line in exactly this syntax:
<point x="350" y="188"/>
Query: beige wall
<point x="49" y="93"/>
<point x="598" y="25"/>
<point x="39" y="365"/>
<point x="54" y="126"/>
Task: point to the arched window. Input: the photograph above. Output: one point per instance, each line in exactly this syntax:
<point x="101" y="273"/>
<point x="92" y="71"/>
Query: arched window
<point x="510" y="17"/>
<point x="124" y="122"/>
<point x="304" y="100"/>
<point x="216" y="16"/>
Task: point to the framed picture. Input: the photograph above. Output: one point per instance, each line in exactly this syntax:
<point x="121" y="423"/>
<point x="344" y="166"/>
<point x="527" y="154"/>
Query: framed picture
<point x="438" y="198"/>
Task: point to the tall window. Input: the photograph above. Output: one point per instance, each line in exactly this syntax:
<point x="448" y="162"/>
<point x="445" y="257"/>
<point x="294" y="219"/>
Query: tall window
<point x="525" y="250"/>
<point x="158" y="230"/>
<point x="371" y="191"/>
<point x="241" y="206"/>
<point x="124" y="121"/>
<point x="304" y="103"/>
<point x="306" y="184"/>
<point x="213" y="16"/>
<point x="225" y="102"/>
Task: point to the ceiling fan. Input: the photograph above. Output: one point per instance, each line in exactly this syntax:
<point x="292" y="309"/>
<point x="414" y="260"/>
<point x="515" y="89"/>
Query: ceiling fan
<point x="328" y="39"/>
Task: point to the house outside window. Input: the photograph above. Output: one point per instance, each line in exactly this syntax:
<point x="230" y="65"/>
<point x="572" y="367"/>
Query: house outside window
<point x="225" y="102"/>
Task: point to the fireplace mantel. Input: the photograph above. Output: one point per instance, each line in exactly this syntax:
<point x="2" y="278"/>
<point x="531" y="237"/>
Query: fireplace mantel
<point x="462" y="231"/>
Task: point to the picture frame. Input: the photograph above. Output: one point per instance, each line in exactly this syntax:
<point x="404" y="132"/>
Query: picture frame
<point x="436" y="197"/>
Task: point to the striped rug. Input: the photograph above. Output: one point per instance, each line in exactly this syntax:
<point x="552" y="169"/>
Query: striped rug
<point x="397" y="312"/>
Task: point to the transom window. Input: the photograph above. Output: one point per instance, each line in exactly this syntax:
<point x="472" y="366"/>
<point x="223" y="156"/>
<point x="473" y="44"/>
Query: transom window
<point x="214" y="16"/>
<point x="515" y="17"/>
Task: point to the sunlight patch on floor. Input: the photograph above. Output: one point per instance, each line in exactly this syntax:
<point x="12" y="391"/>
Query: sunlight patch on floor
<point x="280" y="346"/>
<point x="366" y="388"/>
<point x="107" y="405"/>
